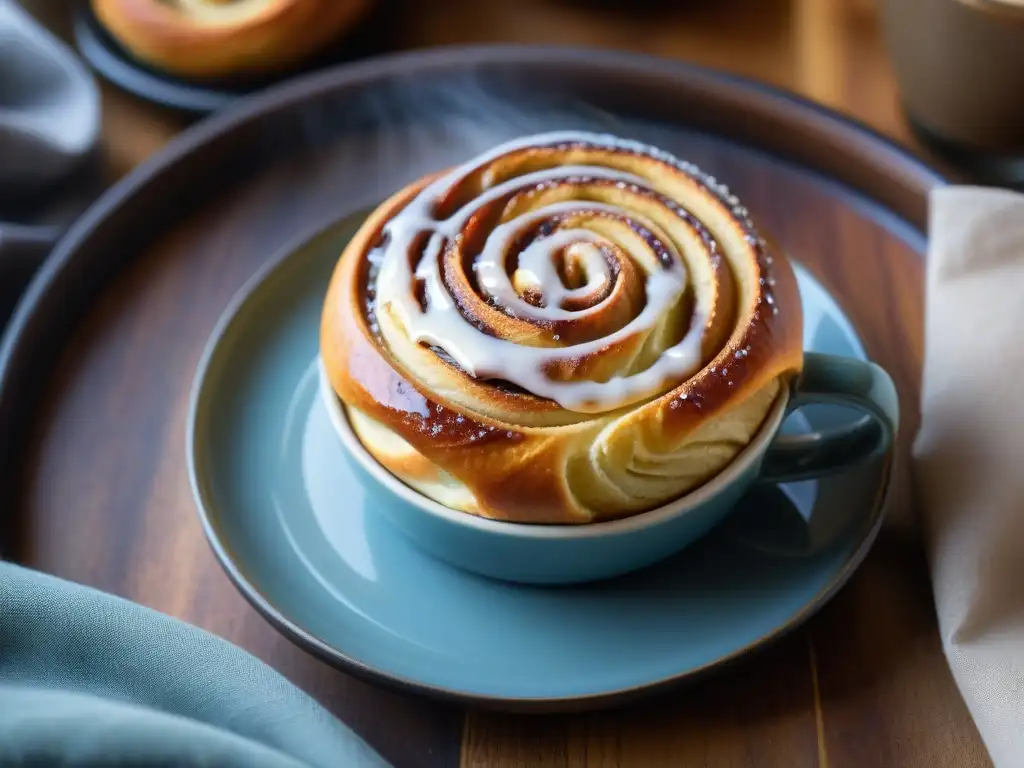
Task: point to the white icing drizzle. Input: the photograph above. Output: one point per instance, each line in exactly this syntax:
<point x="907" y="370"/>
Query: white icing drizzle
<point x="537" y="267"/>
<point x="486" y="357"/>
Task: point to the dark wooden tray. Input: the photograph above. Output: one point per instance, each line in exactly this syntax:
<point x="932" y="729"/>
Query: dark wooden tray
<point x="97" y="363"/>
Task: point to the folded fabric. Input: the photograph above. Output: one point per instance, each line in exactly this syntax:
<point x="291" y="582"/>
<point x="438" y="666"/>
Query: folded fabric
<point x="89" y="679"/>
<point x="49" y="127"/>
<point x="969" y="452"/>
<point x="50" y="108"/>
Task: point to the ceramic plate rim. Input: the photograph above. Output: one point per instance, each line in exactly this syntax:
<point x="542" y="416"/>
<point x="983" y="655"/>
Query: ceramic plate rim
<point x="323" y="650"/>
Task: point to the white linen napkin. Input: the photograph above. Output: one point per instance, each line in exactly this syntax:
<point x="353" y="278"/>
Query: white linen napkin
<point x="969" y="452"/>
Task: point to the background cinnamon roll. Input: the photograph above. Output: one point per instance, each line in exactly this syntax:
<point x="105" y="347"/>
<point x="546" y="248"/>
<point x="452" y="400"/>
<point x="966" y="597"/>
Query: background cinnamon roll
<point x="219" y="38"/>
<point x="569" y="328"/>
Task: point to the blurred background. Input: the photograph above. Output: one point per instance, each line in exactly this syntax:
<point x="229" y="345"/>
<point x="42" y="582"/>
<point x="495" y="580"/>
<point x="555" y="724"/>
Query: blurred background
<point x="829" y="50"/>
<point x="945" y="77"/>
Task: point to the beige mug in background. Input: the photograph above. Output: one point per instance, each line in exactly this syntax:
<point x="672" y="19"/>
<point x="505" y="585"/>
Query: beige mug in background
<point x="960" y="69"/>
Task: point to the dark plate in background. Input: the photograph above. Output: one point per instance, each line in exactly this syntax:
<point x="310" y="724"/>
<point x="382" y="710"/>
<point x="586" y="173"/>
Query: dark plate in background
<point x="200" y="97"/>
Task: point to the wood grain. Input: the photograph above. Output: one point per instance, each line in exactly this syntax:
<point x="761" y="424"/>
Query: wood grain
<point x="828" y="50"/>
<point x="863" y="684"/>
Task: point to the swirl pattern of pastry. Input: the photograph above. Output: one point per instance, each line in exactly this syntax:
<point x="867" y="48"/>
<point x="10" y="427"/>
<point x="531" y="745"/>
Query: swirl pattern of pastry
<point x="221" y="38"/>
<point x="569" y="328"/>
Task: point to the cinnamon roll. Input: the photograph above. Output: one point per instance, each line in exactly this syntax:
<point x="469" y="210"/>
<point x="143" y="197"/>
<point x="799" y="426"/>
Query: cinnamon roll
<point x="219" y="38"/>
<point x="568" y="328"/>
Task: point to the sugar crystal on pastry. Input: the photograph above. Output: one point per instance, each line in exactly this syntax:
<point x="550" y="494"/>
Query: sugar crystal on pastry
<point x="585" y="309"/>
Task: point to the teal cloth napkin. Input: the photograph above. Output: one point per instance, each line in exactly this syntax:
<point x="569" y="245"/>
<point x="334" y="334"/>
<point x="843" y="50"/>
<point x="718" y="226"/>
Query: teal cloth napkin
<point x="89" y="679"/>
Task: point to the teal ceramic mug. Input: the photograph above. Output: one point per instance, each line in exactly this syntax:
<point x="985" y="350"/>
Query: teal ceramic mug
<point x="564" y="554"/>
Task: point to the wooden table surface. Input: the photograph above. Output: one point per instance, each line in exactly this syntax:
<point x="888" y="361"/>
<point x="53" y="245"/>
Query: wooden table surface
<point x="828" y="50"/>
<point x="831" y="51"/>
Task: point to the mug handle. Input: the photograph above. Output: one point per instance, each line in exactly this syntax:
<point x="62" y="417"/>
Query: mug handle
<point x="844" y="381"/>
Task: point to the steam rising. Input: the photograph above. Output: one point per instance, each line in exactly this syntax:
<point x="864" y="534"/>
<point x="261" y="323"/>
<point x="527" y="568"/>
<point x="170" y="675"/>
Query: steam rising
<point x="471" y="117"/>
<point x="402" y="129"/>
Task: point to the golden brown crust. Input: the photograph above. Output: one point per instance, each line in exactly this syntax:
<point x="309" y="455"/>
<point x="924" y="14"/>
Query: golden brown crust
<point x="220" y="38"/>
<point x="519" y="457"/>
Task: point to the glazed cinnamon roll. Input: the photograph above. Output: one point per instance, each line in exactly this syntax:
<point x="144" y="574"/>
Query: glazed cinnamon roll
<point x="219" y="38"/>
<point x="567" y="329"/>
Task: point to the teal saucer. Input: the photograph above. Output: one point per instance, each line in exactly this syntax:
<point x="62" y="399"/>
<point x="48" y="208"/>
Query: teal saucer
<point x="287" y="518"/>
